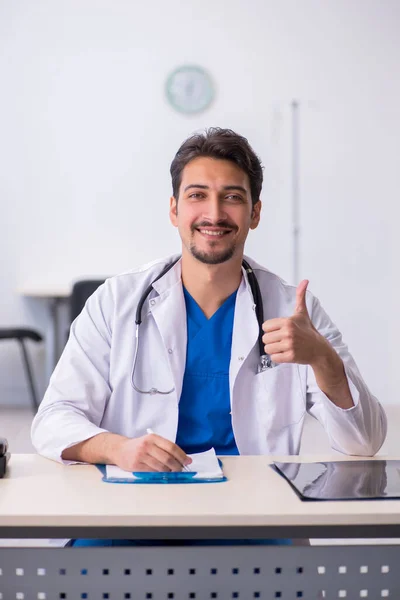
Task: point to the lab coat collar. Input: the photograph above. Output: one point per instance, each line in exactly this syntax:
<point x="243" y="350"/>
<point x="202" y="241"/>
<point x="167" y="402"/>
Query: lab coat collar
<point x="174" y="276"/>
<point x="171" y="278"/>
<point x="245" y="330"/>
<point x="246" y="278"/>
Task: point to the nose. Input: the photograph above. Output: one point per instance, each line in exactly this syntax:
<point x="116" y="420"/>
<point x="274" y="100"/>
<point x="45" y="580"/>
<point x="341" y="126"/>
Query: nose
<point x="214" y="210"/>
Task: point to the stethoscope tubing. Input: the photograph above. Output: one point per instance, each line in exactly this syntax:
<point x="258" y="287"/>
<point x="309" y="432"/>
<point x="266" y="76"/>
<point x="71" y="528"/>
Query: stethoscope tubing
<point x="265" y="360"/>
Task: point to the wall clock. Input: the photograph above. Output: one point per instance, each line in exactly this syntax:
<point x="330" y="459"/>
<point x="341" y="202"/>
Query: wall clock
<point x="189" y="89"/>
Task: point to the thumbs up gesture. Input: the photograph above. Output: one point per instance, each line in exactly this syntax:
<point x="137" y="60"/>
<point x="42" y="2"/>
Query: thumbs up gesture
<point x="294" y="339"/>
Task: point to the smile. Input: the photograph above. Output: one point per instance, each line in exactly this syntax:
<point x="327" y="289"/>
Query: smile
<point x="213" y="233"/>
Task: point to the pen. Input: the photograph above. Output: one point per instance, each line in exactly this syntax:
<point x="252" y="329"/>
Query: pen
<point x="185" y="468"/>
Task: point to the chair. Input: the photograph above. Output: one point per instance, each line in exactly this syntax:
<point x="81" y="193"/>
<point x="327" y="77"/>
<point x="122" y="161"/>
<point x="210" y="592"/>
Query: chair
<point x="81" y="290"/>
<point x="21" y="335"/>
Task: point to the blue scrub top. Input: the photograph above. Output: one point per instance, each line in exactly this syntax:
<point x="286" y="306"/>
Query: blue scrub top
<point x="204" y="407"/>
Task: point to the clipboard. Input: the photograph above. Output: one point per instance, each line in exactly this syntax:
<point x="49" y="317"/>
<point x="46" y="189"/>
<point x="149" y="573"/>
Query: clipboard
<point x="182" y="477"/>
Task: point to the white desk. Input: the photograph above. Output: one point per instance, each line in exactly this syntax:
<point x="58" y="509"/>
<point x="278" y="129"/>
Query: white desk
<point x="39" y="498"/>
<point x="54" y="298"/>
<point x="42" y="498"/>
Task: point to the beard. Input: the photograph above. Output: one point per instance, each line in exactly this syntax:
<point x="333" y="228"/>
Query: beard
<point x="212" y="256"/>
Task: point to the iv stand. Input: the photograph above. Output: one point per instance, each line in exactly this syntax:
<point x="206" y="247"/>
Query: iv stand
<point x="295" y="191"/>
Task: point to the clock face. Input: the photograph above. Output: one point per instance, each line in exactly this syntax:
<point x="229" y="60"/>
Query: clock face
<point x="189" y="89"/>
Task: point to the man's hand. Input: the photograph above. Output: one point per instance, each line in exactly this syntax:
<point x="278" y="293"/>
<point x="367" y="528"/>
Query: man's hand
<point x="294" y="339"/>
<point x="150" y="453"/>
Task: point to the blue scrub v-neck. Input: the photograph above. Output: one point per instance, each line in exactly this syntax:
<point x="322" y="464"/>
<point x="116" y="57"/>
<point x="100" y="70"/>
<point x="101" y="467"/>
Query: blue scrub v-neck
<point x="204" y="407"/>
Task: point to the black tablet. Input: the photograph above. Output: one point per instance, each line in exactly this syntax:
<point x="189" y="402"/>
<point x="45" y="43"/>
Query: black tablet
<point x="343" y="480"/>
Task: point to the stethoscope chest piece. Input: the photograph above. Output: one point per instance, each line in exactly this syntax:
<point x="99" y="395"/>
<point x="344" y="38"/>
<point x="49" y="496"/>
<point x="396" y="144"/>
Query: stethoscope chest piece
<point x="265" y="363"/>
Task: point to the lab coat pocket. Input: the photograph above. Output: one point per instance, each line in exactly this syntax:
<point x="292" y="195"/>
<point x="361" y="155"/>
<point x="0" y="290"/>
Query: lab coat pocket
<point x="282" y="401"/>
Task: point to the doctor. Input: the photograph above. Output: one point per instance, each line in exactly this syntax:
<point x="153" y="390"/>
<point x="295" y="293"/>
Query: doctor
<point x="198" y="353"/>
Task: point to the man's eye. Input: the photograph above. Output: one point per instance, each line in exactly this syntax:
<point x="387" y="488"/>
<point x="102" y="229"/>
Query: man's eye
<point x="196" y="195"/>
<point x="234" y="197"/>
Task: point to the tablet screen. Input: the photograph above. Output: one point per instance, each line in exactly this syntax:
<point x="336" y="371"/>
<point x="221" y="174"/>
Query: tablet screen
<point x="343" y="480"/>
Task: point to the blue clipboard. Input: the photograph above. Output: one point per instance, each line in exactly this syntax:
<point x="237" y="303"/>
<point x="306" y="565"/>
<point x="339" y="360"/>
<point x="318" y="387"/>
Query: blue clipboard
<point x="149" y="477"/>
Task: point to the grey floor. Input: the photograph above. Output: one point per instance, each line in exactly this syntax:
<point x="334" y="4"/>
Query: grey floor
<point x="15" y="424"/>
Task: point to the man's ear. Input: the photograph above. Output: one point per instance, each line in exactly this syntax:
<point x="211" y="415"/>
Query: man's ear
<point x="255" y="214"/>
<point x="173" y="211"/>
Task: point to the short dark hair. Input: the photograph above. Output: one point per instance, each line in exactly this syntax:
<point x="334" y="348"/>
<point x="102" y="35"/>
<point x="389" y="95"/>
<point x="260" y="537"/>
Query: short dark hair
<point x="223" y="144"/>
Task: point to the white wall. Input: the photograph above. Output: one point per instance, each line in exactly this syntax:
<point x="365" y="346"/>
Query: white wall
<point x="86" y="139"/>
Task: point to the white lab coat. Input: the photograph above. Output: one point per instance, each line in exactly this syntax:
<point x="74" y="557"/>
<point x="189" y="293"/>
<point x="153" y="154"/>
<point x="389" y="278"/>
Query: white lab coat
<point x="90" y="390"/>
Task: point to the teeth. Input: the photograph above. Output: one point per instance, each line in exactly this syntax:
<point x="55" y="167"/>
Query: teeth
<point x="212" y="232"/>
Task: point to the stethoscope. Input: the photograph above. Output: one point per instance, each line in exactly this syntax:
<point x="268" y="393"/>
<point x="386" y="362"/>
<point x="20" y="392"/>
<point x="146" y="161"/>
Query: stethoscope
<point x="265" y="359"/>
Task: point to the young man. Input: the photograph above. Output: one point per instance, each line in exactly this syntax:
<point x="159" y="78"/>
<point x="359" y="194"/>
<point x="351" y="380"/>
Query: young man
<point x="194" y="378"/>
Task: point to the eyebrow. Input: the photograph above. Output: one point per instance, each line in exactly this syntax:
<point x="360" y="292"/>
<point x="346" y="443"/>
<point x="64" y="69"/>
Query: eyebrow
<point x="206" y="187"/>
